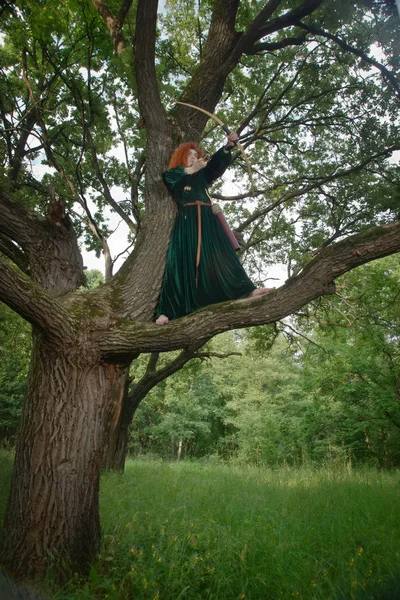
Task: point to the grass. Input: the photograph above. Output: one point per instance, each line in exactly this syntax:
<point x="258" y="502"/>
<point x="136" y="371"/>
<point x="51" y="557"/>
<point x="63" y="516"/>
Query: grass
<point x="187" y="531"/>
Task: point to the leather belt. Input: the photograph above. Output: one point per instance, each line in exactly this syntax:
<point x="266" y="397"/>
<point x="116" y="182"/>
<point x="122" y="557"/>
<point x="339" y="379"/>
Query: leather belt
<point x="198" y="203"/>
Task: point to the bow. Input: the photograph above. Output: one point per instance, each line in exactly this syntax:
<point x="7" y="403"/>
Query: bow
<point x="227" y="131"/>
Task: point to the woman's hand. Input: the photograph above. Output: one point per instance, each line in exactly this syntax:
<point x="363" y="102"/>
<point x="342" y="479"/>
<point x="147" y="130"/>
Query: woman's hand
<point x="232" y="139"/>
<point x="197" y="165"/>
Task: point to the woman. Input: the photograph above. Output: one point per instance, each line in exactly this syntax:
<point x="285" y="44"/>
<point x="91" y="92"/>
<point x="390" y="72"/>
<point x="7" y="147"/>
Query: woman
<point x="202" y="266"/>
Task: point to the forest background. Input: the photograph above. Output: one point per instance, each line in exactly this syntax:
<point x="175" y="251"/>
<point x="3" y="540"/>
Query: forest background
<point x="320" y="388"/>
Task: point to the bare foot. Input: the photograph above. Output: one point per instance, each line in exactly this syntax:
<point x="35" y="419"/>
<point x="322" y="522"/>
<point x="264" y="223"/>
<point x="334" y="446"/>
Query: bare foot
<point x="261" y="291"/>
<point x="162" y="320"/>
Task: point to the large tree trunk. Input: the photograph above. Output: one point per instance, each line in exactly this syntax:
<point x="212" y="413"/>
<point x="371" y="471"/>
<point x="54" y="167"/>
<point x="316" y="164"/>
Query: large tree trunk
<point x="52" y="511"/>
<point x="116" y="444"/>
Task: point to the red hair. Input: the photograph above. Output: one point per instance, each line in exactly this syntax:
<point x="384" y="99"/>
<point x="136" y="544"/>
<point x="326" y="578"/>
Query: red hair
<point x="180" y="156"/>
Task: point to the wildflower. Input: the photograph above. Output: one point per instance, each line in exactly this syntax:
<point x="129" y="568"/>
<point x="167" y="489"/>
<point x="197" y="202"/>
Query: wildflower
<point x="360" y="551"/>
<point x="314" y="583"/>
<point x="352" y="562"/>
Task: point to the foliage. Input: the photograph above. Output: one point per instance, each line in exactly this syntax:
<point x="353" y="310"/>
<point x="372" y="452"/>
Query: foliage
<point x="15" y="348"/>
<point x="354" y="371"/>
<point x="327" y="391"/>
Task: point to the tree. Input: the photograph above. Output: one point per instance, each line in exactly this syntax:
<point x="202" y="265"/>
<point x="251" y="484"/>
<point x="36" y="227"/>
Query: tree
<point x="68" y="73"/>
<point x="351" y="371"/>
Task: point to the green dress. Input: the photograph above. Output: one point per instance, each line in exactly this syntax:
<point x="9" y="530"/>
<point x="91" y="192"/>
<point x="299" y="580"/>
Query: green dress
<point x="220" y="275"/>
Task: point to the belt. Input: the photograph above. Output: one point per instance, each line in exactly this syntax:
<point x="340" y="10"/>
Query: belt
<point x="198" y="203"/>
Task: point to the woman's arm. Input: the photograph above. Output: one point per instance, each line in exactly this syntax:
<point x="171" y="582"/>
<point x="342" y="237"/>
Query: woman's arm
<point x="221" y="160"/>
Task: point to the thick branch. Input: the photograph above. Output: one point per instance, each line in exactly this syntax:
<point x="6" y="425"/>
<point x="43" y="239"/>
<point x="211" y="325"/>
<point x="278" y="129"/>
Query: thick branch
<point x="34" y="304"/>
<point x="315" y="280"/>
<point x="149" y="97"/>
<point x="114" y="24"/>
<point x="288" y="19"/>
<point x="252" y="32"/>
<point x="223" y="54"/>
<point x="15" y="222"/>
<point x="272" y="46"/>
<point x="13" y="252"/>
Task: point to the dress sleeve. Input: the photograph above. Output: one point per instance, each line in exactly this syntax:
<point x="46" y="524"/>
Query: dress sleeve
<point x="175" y="181"/>
<point x="217" y="165"/>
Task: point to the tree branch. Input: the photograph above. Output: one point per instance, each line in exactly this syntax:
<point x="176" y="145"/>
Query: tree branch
<point x="114" y="24"/>
<point x="216" y="354"/>
<point x="152" y="377"/>
<point x="150" y="105"/>
<point x="106" y="190"/>
<point x="11" y="250"/>
<point x="34" y="304"/>
<point x="348" y="48"/>
<point x="271" y="46"/>
<point x="288" y="19"/>
<point x="315" y="280"/>
<point x="16" y="223"/>
<point x="307" y="188"/>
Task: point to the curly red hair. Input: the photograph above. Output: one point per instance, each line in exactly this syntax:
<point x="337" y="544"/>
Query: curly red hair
<point x="180" y="156"/>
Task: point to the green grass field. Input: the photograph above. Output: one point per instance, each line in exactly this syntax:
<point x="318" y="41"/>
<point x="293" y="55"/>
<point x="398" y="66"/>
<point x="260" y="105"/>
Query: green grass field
<point x="191" y="530"/>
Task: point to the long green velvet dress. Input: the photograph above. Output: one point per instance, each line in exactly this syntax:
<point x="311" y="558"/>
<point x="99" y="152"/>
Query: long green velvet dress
<point x="221" y="276"/>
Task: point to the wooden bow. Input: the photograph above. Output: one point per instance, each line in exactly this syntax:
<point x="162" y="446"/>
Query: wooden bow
<point x="227" y="131"/>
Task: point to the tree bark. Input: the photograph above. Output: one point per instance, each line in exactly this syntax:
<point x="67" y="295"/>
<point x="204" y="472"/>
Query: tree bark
<point x="116" y="444"/>
<point x="52" y="512"/>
